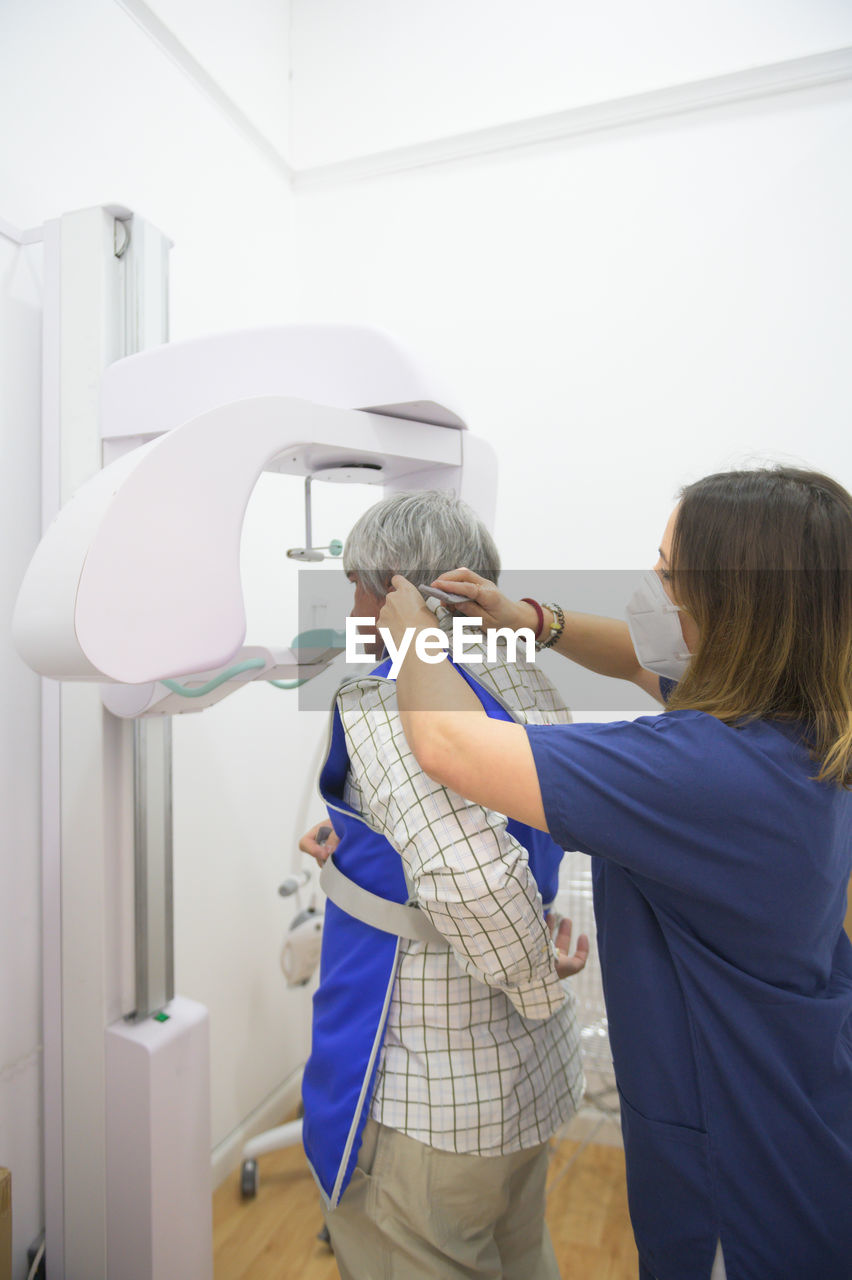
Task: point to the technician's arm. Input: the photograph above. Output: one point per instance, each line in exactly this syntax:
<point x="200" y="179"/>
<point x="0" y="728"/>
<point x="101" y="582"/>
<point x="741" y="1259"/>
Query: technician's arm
<point x="599" y="644"/>
<point x="453" y="740"/>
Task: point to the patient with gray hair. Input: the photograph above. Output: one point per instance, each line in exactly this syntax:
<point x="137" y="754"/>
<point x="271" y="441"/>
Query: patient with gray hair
<point x="445" y="1049"/>
<point x="416" y="534"/>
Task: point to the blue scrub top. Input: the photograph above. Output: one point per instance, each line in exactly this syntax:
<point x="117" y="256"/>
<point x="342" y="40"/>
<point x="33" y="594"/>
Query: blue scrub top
<point x="720" y="874"/>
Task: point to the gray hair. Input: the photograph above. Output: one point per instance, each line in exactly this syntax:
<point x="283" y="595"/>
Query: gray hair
<point x="420" y="535"/>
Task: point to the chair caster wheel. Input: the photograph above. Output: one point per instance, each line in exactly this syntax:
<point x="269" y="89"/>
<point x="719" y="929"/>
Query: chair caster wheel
<point x="248" y="1179"/>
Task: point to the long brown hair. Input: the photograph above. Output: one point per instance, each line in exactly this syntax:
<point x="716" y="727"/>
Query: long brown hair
<point x="763" y="561"/>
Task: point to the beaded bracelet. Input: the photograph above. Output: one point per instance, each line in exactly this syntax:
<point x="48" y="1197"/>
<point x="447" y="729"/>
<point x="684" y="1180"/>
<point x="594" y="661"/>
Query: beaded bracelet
<point x="556" y="629"/>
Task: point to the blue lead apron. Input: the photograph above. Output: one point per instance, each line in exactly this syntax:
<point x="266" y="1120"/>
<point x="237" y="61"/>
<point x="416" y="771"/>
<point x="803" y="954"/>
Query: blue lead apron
<point x="358" y="968"/>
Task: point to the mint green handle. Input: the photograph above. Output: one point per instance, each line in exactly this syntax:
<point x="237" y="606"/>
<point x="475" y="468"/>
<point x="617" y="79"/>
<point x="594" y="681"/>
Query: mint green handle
<point x="321" y="638"/>
<point x="250" y="664"/>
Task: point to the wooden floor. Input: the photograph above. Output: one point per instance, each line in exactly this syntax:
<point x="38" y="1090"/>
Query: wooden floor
<point x="273" y="1237"/>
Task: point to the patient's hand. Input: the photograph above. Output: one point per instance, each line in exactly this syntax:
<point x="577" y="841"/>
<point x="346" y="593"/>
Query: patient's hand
<point x="566" y="964"/>
<point x="320" y="849"/>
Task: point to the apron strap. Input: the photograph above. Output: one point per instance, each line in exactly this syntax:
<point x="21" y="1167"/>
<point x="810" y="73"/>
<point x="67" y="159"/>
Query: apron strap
<point x="391" y="917"/>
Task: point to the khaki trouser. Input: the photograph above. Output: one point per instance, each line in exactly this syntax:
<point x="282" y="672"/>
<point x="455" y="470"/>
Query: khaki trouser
<point x="414" y="1213"/>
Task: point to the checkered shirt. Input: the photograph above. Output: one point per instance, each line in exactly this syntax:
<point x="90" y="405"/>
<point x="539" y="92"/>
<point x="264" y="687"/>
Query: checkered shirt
<point x="481" y="1053"/>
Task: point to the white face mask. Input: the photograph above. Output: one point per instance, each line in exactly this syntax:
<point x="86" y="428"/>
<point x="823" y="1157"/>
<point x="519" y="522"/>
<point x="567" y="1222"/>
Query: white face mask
<point x="655" y="629"/>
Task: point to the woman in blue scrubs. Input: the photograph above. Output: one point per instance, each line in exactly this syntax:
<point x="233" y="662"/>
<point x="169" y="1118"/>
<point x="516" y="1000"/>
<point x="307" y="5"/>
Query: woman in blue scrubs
<point x="721" y="838"/>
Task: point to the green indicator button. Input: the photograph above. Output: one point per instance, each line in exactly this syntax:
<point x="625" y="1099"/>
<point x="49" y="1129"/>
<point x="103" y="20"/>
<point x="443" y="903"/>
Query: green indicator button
<point x="161" y="1017"/>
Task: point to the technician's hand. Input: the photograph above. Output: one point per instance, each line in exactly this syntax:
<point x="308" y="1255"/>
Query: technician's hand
<point x="404" y="607"/>
<point x="486" y="601"/>
<point x="319" y="849"/>
<point x="566" y="964"/>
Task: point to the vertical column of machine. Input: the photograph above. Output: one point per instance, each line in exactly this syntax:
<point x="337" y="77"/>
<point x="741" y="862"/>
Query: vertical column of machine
<point x="105" y="297"/>
<point x="144" y="257"/>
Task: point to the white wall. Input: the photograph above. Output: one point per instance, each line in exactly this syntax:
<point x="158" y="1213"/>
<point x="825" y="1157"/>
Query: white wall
<point x="387" y="73"/>
<point x="243" y="47"/>
<point x="94" y="112"/>
<point x="102" y="115"/>
<point x="620" y="312"/>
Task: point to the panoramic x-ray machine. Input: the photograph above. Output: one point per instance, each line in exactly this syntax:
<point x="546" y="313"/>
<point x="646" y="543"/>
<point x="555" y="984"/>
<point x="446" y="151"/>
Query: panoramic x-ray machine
<point x="132" y="600"/>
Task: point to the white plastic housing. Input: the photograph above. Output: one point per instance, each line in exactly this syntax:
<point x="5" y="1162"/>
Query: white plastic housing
<point x="343" y="366"/>
<point x="159" y="1208"/>
<point x="138" y="578"/>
